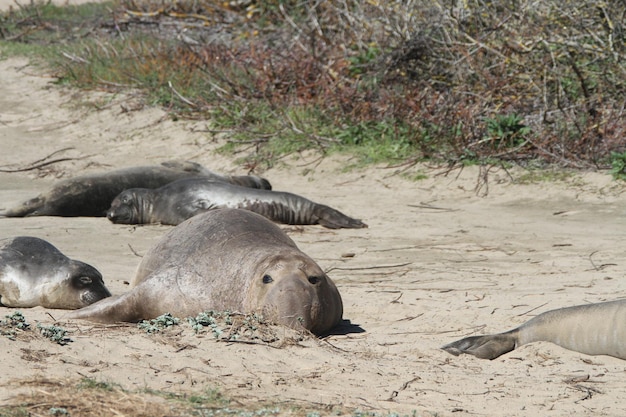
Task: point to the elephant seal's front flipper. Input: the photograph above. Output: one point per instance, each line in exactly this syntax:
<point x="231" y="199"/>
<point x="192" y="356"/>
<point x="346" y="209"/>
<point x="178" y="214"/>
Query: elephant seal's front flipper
<point x="132" y="306"/>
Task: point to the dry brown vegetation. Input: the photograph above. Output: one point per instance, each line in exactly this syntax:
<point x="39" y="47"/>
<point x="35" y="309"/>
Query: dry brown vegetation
<point x="441" y="80"/>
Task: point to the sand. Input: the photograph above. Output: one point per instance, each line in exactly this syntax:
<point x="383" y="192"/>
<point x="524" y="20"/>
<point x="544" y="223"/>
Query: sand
<point x="460" y="252"/>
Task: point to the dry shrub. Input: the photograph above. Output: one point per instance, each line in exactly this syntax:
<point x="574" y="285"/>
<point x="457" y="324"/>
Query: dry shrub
<point x="515" y="79"/>
<point x="453" y="70"/>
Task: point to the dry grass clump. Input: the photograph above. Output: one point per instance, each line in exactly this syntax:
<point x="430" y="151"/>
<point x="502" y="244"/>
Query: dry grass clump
<point x="90" y="398"/>
<point x="51" y="397"/>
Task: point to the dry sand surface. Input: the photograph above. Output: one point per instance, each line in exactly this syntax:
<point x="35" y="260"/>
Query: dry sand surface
<point x="443" y="257"/>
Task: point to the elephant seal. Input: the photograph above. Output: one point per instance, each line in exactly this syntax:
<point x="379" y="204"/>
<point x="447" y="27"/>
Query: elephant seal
<point x="593" y="329"/>
<point x="91" y="195"/>
<point x="226" y="259"/>
<point x="35" y="273"/>
<point x="176" y="202"/>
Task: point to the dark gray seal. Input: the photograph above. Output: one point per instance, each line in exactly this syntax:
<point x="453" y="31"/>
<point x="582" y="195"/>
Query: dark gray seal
<point x="230" y="260"/>
<point x="593" y="329"/>
<point x="176" y="202"/>
<point x="35" y="273"/>
<point x="91" y="195"/>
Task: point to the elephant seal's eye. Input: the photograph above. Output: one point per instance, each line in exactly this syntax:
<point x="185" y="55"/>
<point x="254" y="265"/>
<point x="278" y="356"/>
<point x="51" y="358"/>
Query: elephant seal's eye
<point x="267" y="279"/>
<point x="85" y="280"/>
<point x="314" y="280"/>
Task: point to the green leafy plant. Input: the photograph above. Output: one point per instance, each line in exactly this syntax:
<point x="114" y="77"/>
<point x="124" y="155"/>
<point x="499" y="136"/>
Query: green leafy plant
<point x="158" y="324"/>
<point x="13" y="323"/>
<point x="359" y="63"/>
<point x="230" y="326"/>
<point x="54" y="333"/>
<point x="507" y="130"/>
<point x="618" y="165"/>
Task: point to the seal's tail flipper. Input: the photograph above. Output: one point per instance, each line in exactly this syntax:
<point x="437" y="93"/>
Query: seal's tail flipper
<point x="334" y="219"/>
<point x="484" y="347"/>
<point x="27" y="208"/>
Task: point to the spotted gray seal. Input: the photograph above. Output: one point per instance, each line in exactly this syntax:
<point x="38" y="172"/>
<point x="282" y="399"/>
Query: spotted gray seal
<point x="593" y="329"/>
<point x="176" y="202"/>
<point x="91" y="195"/>
<point x="226" y="259"/>
<point x="35" y="273"/>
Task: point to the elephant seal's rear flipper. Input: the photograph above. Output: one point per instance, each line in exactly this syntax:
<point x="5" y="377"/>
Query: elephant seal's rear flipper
<point x="334" y="219"/>
<point x="592" y="329"/>
<point x="484" y="347"/>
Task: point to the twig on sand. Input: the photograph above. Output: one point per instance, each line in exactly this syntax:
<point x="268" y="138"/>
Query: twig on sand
<point x="134" y="251"/>
<point x="601" y="266"/>
<point x="531" y="310"/>
<point x="40" y="163"/>
<point x="368" y="267"/>
<point x="404" y="386"/>
<point x="325" y="340"/>
<point x="430" y="207"/>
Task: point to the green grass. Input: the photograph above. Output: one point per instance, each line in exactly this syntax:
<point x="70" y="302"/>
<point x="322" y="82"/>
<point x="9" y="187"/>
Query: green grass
<point x="618" y="165"/>
<point x="374" y="142"/>
<point x="30" y="29"/>
<point x="93" y="384"/>
<point x="533" y="176"/>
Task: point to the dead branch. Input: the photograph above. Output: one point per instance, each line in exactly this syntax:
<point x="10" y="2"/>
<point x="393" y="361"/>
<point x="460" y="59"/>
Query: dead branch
<point x="338" y="268"/>
<point x="40" y="163"/>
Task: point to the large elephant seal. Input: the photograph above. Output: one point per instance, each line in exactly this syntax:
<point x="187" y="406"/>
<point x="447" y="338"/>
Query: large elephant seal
<point x="35" y="273"/>
<point x="593" y="329"/>
<point x="226" y="259"/>
<point x="91" y="195"/>
<point x="176" y="202"/>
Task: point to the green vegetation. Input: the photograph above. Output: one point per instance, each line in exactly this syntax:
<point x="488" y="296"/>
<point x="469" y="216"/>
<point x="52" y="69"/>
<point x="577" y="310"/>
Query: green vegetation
<point x="54" y="333"/>
<point x="507" y="130"/>
<point x="229" y="326"/>
<point x="159" y="323"/>
<point x="385" y="81"/>
<point x="618" y="165"/>
<point x="90" y="383"/>
<point x="535" y="175"/>
<point x="13" y="324"/>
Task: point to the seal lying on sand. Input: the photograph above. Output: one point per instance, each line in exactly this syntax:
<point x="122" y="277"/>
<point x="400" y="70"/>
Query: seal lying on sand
<point x="230" y="260"/>
<point x="593" y="329"/>
<point x="35" y="273"/>
<point x="91" y="195"/>
<point x="176" y="202"/>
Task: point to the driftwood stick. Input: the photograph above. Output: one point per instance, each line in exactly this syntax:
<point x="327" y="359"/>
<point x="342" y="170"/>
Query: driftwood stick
<point x="40" y="163"/>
